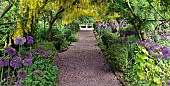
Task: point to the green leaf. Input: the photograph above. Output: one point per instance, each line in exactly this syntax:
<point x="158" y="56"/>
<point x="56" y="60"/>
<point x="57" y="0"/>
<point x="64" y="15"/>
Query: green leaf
<point x="157" y="80"/>
<point x="141" y="75"/>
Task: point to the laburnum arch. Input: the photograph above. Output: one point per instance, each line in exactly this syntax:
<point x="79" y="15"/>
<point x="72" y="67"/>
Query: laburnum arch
<point x="61" y="11"/>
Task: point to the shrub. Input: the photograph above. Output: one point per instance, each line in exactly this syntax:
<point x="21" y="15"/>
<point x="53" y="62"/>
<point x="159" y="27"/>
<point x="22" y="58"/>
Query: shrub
<point x="116" y="56"/>
<point x="73" y="38"/>
<point x="107" y="39"/>
<point x="60" y="42"/>
<point x="47" y="46"/>
<point x="67" y="33"/>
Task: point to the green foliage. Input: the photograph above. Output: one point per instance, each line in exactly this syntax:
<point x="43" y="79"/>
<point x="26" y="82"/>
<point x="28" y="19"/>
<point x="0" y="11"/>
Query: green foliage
<point x="116" y="56"/>
<point x="73" y="38"/>
<point x="47" y="46"/>
<point x="43" y="77"/>
<point x="74" y="26"/>
<point x="107" y="38"/>
<point x="145" y="71"/>
<point x="60" y="42"/>
<point x="67" y="33"/>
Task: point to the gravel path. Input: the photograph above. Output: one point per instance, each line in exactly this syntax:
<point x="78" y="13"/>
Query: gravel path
<point x="83" y="64"/>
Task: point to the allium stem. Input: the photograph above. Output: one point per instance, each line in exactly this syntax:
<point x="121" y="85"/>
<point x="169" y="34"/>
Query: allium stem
<point x="1" y="75"/>
<point x="8" y="73"/>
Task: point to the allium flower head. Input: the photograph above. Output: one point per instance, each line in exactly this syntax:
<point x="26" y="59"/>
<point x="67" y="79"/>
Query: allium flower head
<point x="134" y="41"/>
<point x="47" y="53"/>
<point x="114" y="30"/>
<point x="22" y="74"/>
<point x="166" y="34"/>
<point x="11" y="51"/>
<point x="19" y="40"/>
<point x="27" y="61"/>
<point x="40" y="48"/>
<point x="122" y="24"/>
<point x="155" y="37"/>
<point x="168" y="83"/>
<point x="30" y="40"/>
<point x="162" y="38"/>
<point x="165" y="51"/>
<point x="160" y="31"/>
<point x="148" y="40"/>
<point x="18" y="83"/>
<point x="16" y="62"/>
<point x="4" y="61"/>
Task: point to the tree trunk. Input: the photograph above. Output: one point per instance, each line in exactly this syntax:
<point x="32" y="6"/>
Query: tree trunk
<point x="49" y="33"/>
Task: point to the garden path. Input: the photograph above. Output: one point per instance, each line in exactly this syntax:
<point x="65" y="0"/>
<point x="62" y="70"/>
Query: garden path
<point x="83" y="64"/>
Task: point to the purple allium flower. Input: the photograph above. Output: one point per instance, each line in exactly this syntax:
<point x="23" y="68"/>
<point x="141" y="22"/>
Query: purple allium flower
<point x="156" y="45"/>
<point x="141" y="43"/>
<point x="134" y="41"/>
<point x="37" y="73"/>
<point x="168" y="83"/>
<point x="22" y="74"/>
<point x="148" y="40"/>
<point x="113" y="23"/>
<point x="22" y="54"/>
<point x="20" y="40"/>
<point x="98" y="28"/>
<point x="27" y="61"/>
<point x="160" y="31"/>
<point x="11" y="51"/>
<point x="114" y="30"/>
<point x="47" y="53"/>
<point x="30" y="40"/>
<point x="4" y="61"/>
<point x="150" y="47"/>
<point x="18" y="83"/>
<point x="40" y="48"/>
<point x="165" y="51"/>
<point x="162" y="38"/>
<point x="6" y="49"/>
<point x="166" y="34"/>
<point x="16" y="62"/>
<point x="155" y="37"/>
<point x="122" y="24"/>
<point x="128" y="33"/>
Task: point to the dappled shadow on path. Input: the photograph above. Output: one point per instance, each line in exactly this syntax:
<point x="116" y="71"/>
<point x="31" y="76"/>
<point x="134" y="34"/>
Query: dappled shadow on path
<point x="83" y="64"/>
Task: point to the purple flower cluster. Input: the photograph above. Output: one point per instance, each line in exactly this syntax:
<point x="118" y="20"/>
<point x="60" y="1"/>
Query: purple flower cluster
<point x="16" y="62"/>
<point x="168" y="83"/>
<point x="42" y="52"/>
<point x="27" y="61"/>
<point x="22" y="74"/>
<point x="11" y="51"/>
<point x="19" y="40"/>
<point x="4" y="61"/>
<point x="122" y="24"/>
<point x="30" y="40"/>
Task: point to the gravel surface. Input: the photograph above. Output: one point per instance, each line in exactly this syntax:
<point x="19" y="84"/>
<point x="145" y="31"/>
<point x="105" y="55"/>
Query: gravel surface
<point x="83" y="64"/>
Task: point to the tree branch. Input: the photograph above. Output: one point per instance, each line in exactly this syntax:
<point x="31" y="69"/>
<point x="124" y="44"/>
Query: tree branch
<point x="7" y="23"/>
<point x="7" y="8"/>
<point x="155" y="9"/>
